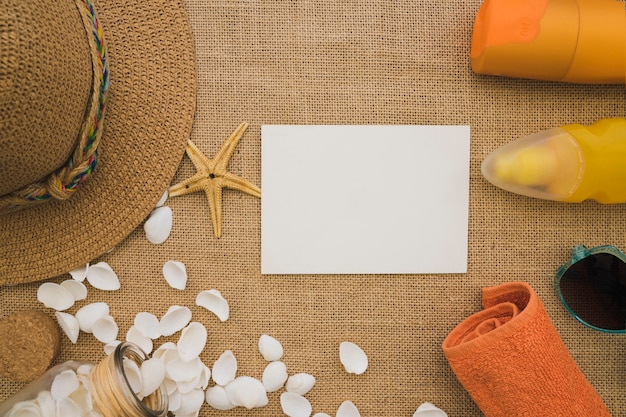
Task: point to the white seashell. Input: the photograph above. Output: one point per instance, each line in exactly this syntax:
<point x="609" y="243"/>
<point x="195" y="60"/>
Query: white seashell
<point x="225" y="368"/>
<point x="110" y="347"/>
<point x="67" y="407"/>
<point x="133" y="335"/>
<point x="163" y="351"/>
<point x="192" y="341"/>
<point x="248" y="392"/>
<point x="163" y="199"/>
<point x="321" y="415"/>
<point x="88" y="314"/>
<point x="148" y="325"/>
<point x="216" y="397"/>
<point x="205" y="377"/>
<point x="84" y="369"/>
<point x="46" y="404"/>
<point x="429" y="410"/>
<point x="54" y="296"/>
<point x="274" y="376"/>
<point x="159" y="225"/>
<point x="174" y="400"/>
<point x="25" y="409"/>
<point x="190" y="402"/>
<point x="152" y="374"/>
<point x="353" y="358"/>
<point x="105" y="329"/>
<point x="179" y="371"/>
<point x="270" y="348"/>
<point x="295" y="405"/>
<point x="300" y="383"/>
<point x="175" y="274"/>
<point x="69" y="325"/>
<point x="63" y="384"/>
<point x="102" y="277"/>
<point x="347" y="409"/>
<point x="80" y="273"/>
<point x="213" y="301"/>
<point x="82" y="396"/>
<point x="77" y="288"/>
<point x="133" y="375"/>
<point x="175" y="319"/>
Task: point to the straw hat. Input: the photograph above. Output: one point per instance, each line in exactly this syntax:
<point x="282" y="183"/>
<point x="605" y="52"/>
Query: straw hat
<point x="69" y="102"/>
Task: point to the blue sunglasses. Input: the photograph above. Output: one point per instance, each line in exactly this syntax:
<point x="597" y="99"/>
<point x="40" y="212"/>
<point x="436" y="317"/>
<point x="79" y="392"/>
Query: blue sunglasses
<point x="592" y="286"/>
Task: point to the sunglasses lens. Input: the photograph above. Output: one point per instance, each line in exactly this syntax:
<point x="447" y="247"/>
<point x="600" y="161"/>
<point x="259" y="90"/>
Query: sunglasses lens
<point x="594" y="289"/>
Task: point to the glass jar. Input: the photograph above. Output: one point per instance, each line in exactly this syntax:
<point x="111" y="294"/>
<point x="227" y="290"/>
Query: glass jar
<point x="80" y="389"/>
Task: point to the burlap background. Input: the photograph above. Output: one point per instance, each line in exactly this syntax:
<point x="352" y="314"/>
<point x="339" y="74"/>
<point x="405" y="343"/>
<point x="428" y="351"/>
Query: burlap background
<point x="360" y="62"/>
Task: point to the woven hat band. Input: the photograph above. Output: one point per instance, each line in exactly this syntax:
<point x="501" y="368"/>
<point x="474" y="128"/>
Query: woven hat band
<point x="52" y="93"/>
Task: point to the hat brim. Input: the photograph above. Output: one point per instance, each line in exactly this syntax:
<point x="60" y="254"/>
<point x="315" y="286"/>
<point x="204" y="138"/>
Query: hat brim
<point x="148" y="120"/>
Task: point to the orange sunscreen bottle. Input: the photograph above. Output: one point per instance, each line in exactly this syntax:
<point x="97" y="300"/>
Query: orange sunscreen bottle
<point x="579" y="41"/>
<point x="571" y="163"/>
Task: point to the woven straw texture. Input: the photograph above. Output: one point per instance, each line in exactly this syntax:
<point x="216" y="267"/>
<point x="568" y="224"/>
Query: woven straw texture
<point x="360" y="62"/>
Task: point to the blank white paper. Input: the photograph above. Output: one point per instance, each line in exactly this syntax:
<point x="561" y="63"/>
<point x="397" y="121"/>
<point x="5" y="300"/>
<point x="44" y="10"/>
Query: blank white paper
<point x="364" y="199"/>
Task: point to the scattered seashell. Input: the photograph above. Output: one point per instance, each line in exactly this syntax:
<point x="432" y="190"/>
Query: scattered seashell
<point x="133" y="375"/>
<point x="158" y="225"/>
<point x="295" y="405"/>
<point x="174" y="400"/>
<point x="429" y="410"/>
<point x="69" y="325"/>
<point x="225" y="368"/>
<point x="26" y="409"/>
<point x="54" y="296"/>
<point x="133" y="335"/>
<point x="152" y="374"/>
<point x="162" y="200"/>
<point x="353" y="358"/>
<point x="270" y="348"/>
<point x="248" y="392"/>
<point x="77" y="288"/>
<point x="274" y="376"/>
<point x="63" y="384"/>
<point x="300" y="383"/>
<point x="163" y="351"/>
<point x="105" y="329"/>
<point x="190" y="402"/>
<point x="88" y="314"/>
<point x="175" y="319"/>
<point x="67" y="407"/>
<point x="216" y="397"/>
<point x="148" y="325"/>
<point x="80" y="273"/>
<point x="175" y="274"/>
<point x="213" y="301"/>
<point x="179" y="371"/>
<point x="192" y="341"/>
<point x="46" y="404"/>
<point x="347" y="409"/>
<point x="110" y="347"/>
<point x="102" y="277"/>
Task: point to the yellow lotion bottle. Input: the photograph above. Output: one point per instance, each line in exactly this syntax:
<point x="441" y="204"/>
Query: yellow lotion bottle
<point x="571" y="163"/>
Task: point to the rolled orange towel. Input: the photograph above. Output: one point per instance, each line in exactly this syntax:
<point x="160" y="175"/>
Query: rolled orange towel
<point x="512" y="361"/>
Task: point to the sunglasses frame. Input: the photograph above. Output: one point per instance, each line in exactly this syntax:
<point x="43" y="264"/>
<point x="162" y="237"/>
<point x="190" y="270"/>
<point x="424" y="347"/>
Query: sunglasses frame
<point x="579" y="253"/>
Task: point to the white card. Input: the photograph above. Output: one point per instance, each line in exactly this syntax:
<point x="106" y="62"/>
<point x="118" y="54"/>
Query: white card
<point x="364" y="199"/>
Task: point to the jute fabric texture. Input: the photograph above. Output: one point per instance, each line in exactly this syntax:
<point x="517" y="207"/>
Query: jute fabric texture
<point x="360" y="62"/>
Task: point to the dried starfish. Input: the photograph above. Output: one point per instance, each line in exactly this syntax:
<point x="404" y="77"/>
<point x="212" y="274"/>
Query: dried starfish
<point x="212" y="177"/>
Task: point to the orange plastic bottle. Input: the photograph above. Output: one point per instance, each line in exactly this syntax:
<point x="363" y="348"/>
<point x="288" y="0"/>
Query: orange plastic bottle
<point x="580" y="41"/>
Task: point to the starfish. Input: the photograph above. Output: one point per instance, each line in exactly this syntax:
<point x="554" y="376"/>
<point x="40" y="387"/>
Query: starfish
<point x="212" y="177"/>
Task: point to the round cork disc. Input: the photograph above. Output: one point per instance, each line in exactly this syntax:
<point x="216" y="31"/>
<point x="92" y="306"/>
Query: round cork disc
<point x="29" y="342"/>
